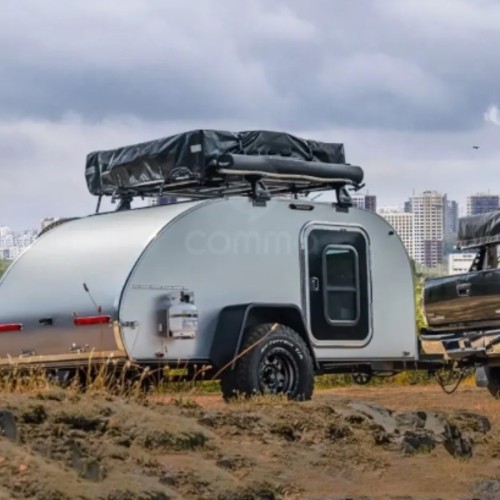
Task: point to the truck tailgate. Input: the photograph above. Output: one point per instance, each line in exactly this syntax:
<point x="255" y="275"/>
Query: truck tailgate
<point x="463" y="301"/>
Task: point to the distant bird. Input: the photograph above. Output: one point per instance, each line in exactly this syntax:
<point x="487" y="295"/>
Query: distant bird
<point x="475" y="147"/>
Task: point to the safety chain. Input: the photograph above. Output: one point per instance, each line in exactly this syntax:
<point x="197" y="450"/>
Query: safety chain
<point x="455" y="378"/>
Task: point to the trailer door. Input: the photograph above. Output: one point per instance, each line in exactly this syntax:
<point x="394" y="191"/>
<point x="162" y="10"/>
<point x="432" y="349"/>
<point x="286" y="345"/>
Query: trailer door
<point x="337" y="285"/>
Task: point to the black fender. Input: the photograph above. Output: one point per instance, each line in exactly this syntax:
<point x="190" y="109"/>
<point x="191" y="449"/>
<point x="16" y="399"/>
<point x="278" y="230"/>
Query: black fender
<point x="235" y="319"/>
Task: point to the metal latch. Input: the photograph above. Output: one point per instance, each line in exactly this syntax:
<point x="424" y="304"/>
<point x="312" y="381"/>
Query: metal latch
<point x="463" y="289"/>
<point x="314" y="284"/>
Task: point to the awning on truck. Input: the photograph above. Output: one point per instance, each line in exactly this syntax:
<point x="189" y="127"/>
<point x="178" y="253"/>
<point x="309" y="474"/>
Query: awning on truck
<point x="478" y="230"/>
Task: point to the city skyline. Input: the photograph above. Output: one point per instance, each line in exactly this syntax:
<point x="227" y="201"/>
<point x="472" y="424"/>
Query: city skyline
<point x="426" y="222"/>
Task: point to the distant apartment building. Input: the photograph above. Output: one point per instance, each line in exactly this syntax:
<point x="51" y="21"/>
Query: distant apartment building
<point x="451" y="217"/>
<point x="12" y="243"/>
<point x="481" y="203"/>
<point x="366" y="201"/>
<point x="47" y="221"/>
<point x="371" y="202"/>
<point x="459" y="263"/>
<point x="429" y="215"/>
<point x="403" y="225"/>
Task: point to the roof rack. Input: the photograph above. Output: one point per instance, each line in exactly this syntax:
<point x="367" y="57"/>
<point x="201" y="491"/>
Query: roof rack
<point x="207" y="164"/>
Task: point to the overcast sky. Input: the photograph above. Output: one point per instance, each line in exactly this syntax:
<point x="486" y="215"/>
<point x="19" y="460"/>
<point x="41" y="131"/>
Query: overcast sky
<point x="408" y="86"/>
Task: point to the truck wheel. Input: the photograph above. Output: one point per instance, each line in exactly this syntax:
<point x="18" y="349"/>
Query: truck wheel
<point x="278" y="363"/>
<point x="494" y="382"/>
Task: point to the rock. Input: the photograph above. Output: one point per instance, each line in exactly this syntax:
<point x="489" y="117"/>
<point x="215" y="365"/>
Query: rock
<point x="381" y="437"/>
<point x="81" y="421"/>
<point x="412" y="420"/>
<point x="355" y="419"/>
<point x="209" y="419"/>
<point x="378" y="414"/>
<point x="131" y="495"/>
<point x="472" y="422"/>
<point x="414" y="442"/>
<point x="34" y="415"/>
<point x="286" y="431"/>
<point x="233" y="463"/>
<point x="335" y="431"/>
<point x="8" y="427"/>
<point x="457" y="445"/>
<point x="487" y="489"/>
<point x="169" y="478"/>
<point x="181" y="441"/>
<point x="420" y="431"/>
<point x="436" y="424"/>
<point x="92" y="471"/>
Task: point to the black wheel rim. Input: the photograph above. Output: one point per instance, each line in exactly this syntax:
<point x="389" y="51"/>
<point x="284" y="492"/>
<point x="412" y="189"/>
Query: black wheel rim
<point x="362" y="378"/>
<point x="278" y="372"/>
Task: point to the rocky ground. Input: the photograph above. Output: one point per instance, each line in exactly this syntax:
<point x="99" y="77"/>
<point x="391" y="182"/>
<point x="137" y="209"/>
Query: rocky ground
<point x="411" y="442"/>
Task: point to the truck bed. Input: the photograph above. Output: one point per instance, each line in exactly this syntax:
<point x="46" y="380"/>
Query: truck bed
<point x="463" y="302"/>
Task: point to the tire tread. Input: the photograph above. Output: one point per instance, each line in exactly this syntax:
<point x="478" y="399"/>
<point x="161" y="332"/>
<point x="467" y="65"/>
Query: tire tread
<point x="238" y="380"/>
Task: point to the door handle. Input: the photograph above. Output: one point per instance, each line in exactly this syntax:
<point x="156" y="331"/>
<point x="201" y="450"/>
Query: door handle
<point x="314" y="286"/>
<point x="463" y="290"/>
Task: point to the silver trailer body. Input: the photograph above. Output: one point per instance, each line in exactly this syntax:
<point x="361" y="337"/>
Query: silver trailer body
<point x="225" y="252"/>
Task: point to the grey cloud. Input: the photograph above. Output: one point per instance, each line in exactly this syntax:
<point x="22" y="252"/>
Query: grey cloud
<point x="385" y="63"/>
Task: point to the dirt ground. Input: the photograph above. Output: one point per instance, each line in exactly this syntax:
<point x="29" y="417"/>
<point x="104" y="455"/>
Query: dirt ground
<point x="388" y="442"/>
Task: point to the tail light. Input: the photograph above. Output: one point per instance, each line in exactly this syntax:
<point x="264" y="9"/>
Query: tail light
<point x="11" y="327"/>
<point x="92" y="320"/>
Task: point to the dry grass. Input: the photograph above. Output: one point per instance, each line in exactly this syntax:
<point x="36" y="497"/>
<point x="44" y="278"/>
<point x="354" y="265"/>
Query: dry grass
<point x="133" y="382"/>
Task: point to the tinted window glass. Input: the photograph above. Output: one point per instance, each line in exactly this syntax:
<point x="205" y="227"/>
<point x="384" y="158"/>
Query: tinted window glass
<point x="341" y="287"/>
<point x="340" y="267"/>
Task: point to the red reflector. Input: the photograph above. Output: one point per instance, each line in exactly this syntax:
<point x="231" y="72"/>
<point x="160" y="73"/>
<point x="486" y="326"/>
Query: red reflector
<point x="13" y="327"/>
<point x="92" y="320"/>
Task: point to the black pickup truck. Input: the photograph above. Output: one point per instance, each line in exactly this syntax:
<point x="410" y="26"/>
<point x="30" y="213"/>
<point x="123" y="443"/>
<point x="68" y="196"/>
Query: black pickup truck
<point x="462" y="311"/>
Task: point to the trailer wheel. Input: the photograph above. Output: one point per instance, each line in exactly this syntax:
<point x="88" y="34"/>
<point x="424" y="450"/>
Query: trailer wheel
<point x="362" y="377"/>
<point x="277" y="362"/>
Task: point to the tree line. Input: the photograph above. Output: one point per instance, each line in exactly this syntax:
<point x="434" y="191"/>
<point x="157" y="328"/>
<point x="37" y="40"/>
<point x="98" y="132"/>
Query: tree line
<point x="4" y="264"/>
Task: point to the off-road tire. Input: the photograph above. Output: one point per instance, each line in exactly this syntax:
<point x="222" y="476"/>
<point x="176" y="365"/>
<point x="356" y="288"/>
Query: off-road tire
<point x="283" y="343"/>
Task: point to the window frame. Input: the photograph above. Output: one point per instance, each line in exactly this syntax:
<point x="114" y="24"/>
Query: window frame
<point x="327" y="288"/>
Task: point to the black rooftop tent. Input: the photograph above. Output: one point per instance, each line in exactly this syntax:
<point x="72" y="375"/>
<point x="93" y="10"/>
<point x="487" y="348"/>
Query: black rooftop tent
<point x="478" y="230"/>
<point x="207" y="163"/>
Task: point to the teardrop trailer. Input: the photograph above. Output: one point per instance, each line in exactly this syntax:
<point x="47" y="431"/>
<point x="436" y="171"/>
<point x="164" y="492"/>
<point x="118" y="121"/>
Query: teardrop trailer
<point x="240" y="274"/>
